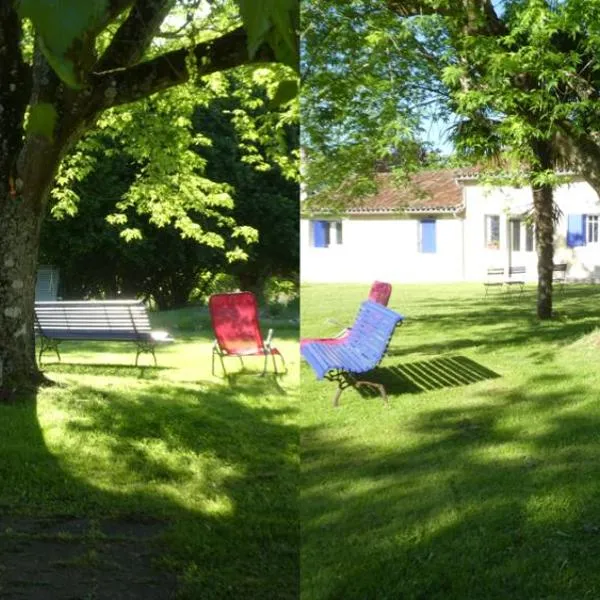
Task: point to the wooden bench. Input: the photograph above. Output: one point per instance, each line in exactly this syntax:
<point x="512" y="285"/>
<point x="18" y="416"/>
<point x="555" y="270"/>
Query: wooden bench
<point x="96" y="320"/>
<point x="559" y="275"/>
<point x="358" y="352"/>
<point x="515" y="278"/>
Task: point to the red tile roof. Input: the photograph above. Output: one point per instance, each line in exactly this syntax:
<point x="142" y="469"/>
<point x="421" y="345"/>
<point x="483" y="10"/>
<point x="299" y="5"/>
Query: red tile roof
<point x="434" y="191"/>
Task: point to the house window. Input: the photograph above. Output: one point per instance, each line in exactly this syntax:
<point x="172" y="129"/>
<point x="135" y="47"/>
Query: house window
<point x="336" y="232"/>
<point x="529" y="243"/>
<point x="515" y="235"/>
<point x="521" y="236"/>
<point x="582" y="230"/>
<point x="592" y="229"/>
<point x="326" y="233"/>
<point x="427" y="236"/>
<point x="492" y="231"/>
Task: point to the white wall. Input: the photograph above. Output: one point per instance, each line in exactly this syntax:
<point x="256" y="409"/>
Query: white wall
<point x="583" y="261"/>
<point x="505" y="202"/>
<point x="383" y="248"/>
<point x="575" y="198"/>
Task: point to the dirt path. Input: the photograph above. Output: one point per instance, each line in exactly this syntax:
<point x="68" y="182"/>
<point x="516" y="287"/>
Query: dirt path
<point x="81" y="559"/>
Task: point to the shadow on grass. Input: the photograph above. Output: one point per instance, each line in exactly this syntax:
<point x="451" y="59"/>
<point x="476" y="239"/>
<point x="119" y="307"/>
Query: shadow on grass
<point x="427" y="375"/>
<point x="495" y="500"/>
<point x="211" y="473"/>
<point x="115" y="369"/>
<point x="508" y="329"/>
<point x="253" y="383"/>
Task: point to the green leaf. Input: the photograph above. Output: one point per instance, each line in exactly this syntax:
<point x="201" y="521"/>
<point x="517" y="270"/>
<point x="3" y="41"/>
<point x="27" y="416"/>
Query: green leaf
<point x="287" y="90"/>
<point x="274" y="22"/>
<point x="67" y="30"/>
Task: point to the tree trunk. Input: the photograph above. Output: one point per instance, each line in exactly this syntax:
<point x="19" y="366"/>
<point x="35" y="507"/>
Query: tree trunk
<point x="543" y="205"/>
<point x="19" y="236"/>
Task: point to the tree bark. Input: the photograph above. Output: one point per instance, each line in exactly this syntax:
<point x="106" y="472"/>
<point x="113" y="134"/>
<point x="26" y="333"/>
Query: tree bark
<point x="543" y="206"/>
<point x="19" y="235"/>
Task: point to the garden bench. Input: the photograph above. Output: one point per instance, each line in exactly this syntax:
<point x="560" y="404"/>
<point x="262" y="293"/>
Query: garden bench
<point x="559" y="275"/>
<point x="495" y="278"/>
<point x="515" y="278"/>
<point x="96" y="320"/>
<point x="358" y="352"/>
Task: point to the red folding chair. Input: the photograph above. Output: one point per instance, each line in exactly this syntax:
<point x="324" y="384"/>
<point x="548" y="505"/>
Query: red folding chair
<point x="380" y="292"/>
<point x="234" y="319"/>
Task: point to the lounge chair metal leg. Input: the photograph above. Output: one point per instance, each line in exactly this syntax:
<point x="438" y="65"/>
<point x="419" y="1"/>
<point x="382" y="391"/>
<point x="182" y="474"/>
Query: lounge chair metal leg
<point x="264" y="371"/>
<point x="283" y="363"/>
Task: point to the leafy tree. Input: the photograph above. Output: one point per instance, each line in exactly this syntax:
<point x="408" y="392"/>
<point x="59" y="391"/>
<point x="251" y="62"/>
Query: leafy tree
<point x="86" y="58"/>
<point x="263" y="198"/>
<point x="95" y="260"/>
<point x="520" y="76"/>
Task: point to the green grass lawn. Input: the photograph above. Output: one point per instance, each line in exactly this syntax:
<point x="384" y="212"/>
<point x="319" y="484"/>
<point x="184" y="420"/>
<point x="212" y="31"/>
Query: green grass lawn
<point x="155" y="481"/>
<point x="482" y="478"/>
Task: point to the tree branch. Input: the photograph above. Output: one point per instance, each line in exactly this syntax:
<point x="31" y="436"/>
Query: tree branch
<point x="139" y="81"/>
<point x="580" y="151"/>
<point x="115" y="8"/>
<point x="476" y="16"/>
<point x="15" y="89"/>
<point x="134" y="35"/>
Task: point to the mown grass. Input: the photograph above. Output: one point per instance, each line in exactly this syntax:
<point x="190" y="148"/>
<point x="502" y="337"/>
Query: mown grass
<point x="482" y="479"/>
<point x="215" y="461"/>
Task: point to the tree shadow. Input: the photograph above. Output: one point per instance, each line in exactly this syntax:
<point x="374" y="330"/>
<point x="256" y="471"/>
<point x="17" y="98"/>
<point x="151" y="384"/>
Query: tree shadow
<point x="495" y="500"/>
<point x="252" y="383"/>
<point x="70" y="528"/>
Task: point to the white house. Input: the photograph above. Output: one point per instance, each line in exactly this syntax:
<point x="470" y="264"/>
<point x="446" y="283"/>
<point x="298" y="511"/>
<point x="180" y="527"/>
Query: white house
<point x="447" y="227"/>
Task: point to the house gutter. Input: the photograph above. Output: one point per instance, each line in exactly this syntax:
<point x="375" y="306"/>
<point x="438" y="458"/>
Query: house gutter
<point x="445" y="210"/>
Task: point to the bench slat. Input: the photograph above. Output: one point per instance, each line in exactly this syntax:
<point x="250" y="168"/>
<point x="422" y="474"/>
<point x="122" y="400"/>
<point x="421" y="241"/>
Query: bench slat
<point x="104" y="320"/>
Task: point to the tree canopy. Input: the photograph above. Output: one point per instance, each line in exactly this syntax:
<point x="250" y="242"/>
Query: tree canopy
<point x="377" y="72"/>
<point x="249" y="230"/>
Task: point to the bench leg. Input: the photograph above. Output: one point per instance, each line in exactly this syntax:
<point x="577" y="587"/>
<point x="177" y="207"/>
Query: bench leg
<point x="346" y="380"/>
<point x="148" y="348"/>
<point x="378" y="386"/>
<point x="48" y="344"/>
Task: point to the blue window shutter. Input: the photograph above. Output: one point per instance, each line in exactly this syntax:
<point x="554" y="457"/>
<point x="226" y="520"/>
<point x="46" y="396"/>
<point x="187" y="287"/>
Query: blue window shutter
<point x="575" y="231"/>
<point x="428" y="236"/>
<point x="320" y="234"/>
